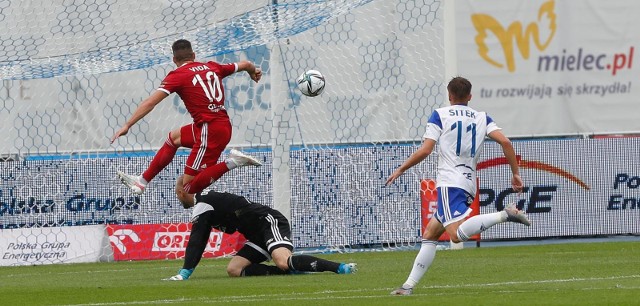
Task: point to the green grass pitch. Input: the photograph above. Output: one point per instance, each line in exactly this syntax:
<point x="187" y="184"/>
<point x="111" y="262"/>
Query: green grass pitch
<point x="604" y="273"/>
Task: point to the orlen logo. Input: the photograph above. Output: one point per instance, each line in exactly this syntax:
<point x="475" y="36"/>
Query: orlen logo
<point x="177" y="241"/>
<point x="539" y="196"/>
<point x="516" y="36"/>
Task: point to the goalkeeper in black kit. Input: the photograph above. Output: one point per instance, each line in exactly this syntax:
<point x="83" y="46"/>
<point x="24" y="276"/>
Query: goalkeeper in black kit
<point x="267" y="232"/>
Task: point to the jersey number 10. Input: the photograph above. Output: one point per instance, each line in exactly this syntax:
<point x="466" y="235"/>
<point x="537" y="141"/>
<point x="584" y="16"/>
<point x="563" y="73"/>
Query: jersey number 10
<point x="212" y="88"/>
<point x="470" y="128"/>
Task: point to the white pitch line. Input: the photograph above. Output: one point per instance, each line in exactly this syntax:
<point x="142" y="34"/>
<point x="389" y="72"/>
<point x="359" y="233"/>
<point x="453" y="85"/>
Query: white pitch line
<point x="303" y="297"/>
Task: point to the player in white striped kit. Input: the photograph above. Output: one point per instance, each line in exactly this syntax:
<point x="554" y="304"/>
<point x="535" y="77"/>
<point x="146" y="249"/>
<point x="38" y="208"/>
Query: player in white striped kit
<point x="460" y="132"/>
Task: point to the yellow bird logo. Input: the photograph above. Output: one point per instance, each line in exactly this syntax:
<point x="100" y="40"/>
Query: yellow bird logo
<point x="514" y="33"/>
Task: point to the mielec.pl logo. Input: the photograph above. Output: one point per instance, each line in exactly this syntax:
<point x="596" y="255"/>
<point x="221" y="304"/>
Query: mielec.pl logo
<point x="515" y="33"/>
<point x="539" y="34"/>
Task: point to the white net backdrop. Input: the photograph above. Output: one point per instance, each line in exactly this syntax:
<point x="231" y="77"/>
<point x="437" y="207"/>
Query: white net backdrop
<point x="73" y="71"/>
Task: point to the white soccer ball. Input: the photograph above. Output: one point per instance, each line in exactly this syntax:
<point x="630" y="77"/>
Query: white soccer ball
<point x="311" y="83"/>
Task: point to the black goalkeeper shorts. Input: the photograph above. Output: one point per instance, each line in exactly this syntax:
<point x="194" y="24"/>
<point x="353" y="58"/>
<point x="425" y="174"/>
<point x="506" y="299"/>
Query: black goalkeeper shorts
<point x="270" y="233"/>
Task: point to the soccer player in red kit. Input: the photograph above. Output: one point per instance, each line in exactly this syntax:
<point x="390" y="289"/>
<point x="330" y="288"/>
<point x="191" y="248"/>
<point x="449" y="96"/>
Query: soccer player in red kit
<point x="199" y="85"/>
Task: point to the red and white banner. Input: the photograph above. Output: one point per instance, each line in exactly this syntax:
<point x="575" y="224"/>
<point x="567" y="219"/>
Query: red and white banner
<point x="545" y="67"/>
<point x="166" y="241"/>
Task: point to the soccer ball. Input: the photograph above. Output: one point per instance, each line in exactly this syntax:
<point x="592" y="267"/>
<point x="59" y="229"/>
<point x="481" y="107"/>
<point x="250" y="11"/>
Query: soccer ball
<point x="311" y="83"/>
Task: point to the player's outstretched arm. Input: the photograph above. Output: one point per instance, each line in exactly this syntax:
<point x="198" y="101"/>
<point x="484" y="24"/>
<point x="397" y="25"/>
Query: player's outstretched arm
<point x="510" y="154"/>
<point x="254" y="72"/>
<point x="415" y="158"/>
<point x="146" y="106"/>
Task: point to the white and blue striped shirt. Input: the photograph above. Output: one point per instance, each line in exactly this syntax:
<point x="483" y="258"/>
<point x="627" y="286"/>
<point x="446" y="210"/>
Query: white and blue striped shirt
<point x="460" y="132"/>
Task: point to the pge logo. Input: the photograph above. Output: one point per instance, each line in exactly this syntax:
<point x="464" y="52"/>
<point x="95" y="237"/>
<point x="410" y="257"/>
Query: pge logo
<point x="515" y="32"/>
<point x="539" y="197"/>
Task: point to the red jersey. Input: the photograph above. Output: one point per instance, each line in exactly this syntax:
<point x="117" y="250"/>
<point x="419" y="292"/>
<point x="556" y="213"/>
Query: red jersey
<point x="199" y="85"/>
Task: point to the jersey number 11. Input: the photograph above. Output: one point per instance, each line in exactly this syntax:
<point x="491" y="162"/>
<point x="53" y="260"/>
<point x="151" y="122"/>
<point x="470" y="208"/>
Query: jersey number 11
<point x="470" y="128"/>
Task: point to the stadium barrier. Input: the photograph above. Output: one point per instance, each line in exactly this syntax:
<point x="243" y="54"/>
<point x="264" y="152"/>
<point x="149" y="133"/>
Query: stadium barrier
<point x="166" y="241"/>
<point x="573" y="187"/>
<point x="77" y="71"/>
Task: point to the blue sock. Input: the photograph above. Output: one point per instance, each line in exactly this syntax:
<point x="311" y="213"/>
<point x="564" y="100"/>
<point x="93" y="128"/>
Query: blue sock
<point x="344" y="269"/>
<point x="186" y="273"/>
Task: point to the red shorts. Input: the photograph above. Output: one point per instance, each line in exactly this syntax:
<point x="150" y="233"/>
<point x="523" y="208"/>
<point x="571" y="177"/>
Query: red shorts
<point x="207" y="141"/>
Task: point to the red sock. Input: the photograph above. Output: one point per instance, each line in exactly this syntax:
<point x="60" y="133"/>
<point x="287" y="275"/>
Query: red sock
<point x="206" y="178"/>
<point x="163" y="157"/>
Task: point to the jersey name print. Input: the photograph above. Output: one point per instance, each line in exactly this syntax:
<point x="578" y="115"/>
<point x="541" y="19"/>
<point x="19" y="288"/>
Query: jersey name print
<point x="460" y="132"/>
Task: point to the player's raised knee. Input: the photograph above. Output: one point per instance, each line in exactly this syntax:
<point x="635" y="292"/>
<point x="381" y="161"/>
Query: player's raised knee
<point x="280" y="257"/>
<point x="282" y="262"/>
<point x="234" y="271"/>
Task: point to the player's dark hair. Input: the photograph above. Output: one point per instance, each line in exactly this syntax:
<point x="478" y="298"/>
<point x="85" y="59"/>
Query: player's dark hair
<point x="182" y="50"/>
<point x="459" y="88"/>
